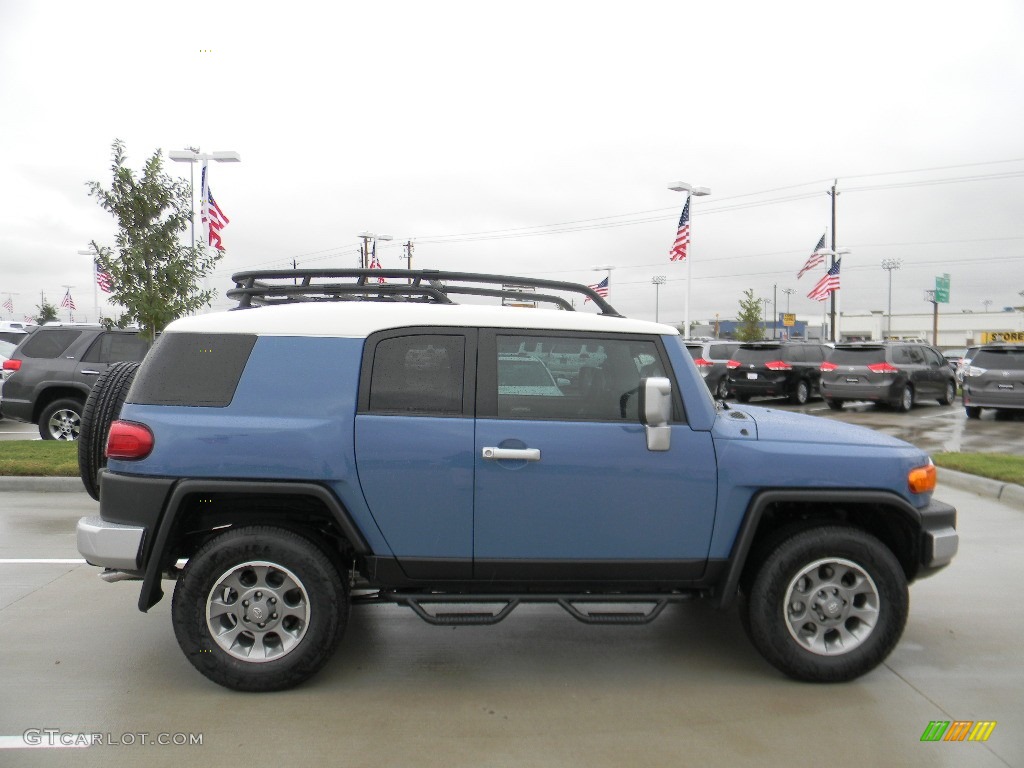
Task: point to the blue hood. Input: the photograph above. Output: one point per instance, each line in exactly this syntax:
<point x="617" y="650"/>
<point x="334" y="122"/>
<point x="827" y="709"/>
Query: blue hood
<point x="784" y="426"/>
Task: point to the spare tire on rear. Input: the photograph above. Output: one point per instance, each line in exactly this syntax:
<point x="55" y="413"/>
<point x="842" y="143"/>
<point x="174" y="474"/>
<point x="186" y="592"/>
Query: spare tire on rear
<point x="102" y="407"/>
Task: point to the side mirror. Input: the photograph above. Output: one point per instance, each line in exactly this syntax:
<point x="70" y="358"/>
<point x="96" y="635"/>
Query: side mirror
<point x="656" y="412"/>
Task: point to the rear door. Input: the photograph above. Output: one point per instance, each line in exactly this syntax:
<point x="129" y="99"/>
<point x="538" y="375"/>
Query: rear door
<point x="565" y="487"/>
<point x="108" y="348"/>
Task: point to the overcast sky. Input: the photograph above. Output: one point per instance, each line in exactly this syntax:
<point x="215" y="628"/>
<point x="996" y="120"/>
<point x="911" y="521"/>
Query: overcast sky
<point x="536" y="138"/>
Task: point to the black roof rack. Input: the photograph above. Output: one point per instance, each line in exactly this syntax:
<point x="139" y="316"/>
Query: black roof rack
<point x="285" y="286"/>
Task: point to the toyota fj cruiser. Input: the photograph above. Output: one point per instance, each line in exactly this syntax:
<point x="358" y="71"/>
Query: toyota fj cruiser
<point x="336" y="441"/>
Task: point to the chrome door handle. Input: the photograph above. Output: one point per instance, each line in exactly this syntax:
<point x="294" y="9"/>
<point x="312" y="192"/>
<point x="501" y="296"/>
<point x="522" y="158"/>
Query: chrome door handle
<point x="89" y="372"/>
<point x="522" y="454"/>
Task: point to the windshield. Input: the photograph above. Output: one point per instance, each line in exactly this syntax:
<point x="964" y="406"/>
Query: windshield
<point x="757" y="354"/>
<point x="6" y="348"/>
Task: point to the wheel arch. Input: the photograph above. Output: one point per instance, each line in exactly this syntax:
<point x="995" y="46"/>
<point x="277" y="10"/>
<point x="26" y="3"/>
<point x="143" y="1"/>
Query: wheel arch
<point x="196" y="510"/>
<point x="775" y="514"/>
<point x="47" y="395"/>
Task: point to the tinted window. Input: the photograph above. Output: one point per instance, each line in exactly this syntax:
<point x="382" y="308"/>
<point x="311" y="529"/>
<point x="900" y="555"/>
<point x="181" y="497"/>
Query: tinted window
<point x="857" y="355"/>
<point x="695" y="351"/>
<point x="199" y="369"/>
<point x="603" y="385"/>
<point x="814" y="354"/>
<point x="902" y="356"/>
<point x="49" y="344"/>
<point x="116" y="347"/>
<point x="757" y="355"/>
<point x="418" y="374"/>
<point x="721" y="351"/>
<point x="1002" y="359"/>
<point x="934" y="358"/>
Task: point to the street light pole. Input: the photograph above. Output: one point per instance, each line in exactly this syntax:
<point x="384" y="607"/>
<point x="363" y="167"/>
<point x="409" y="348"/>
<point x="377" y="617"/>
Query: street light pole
<point x="658" y="280"/>
<point x="691" y="191"/>
<point x="889" y="265"/>
<point x="95" y="293"/>
<point x="193" y="156"/>
<point x="765" y="301"/>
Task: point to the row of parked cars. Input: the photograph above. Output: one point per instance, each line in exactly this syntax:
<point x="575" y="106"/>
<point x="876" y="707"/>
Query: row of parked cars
<point x="898" y="374"/>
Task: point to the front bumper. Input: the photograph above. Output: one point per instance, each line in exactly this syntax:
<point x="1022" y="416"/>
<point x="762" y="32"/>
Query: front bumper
<point x="939" y="539"/>
<point x="110" y="545"/>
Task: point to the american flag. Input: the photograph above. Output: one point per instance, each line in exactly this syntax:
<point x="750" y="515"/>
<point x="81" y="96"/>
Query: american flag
<point x="212" y="215"/>
<point x="601" y="289"/>
<point x="374" y="264"/>
<point x="68" y="302"/>
<point x="678" y="252"/>
<point x="827" y="284"/>
<point x="9" y="305"/>
<point x="816" y="258"/>
<point x="103" y="280"/>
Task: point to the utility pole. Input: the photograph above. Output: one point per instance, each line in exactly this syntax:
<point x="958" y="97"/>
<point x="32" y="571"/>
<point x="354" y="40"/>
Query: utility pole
<point x="789" y="292"/>
<point x="832" y="295"/>
<point x="408" y="256"/>
<point x="775" y="310"/>
<point x="889" y="265"/>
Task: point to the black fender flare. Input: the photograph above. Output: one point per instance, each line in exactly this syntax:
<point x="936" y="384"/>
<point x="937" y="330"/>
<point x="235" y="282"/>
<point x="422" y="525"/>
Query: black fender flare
<point x="725" y="595"/>
<point x="152" y="592"/>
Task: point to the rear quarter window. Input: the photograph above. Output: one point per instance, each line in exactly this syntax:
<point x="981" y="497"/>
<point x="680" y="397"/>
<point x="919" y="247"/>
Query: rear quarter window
<point x="199" y="369"/>
<point x="49" y="344"/>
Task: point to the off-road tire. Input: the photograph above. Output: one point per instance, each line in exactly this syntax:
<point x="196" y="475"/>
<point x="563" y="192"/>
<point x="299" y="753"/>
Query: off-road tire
<point x="101" y="409"/>
<point x="850" y="619"/>
<point x="320" y="597"/>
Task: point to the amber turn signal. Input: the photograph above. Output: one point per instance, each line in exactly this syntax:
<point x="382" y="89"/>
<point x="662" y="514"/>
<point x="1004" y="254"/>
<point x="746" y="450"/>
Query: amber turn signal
<point x="922" y="479"/>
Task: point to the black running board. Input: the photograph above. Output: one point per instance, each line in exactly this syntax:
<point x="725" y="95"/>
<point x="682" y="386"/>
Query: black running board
<point x="570" y="603"/>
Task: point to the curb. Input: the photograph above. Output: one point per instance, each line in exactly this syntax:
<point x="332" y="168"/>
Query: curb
<point x="1010" y="494"/>
<point x="42" y="484"/>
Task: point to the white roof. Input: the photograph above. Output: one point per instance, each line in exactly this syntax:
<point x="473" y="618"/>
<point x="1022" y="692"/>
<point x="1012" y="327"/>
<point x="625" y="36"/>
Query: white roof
<point x="358" y="319"/>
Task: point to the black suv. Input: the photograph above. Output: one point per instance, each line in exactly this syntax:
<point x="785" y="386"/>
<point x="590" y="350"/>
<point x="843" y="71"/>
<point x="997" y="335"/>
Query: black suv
<point x="710" y="356"/>
<point x="776" y="368"/>
<point x="893" y="372"/>
<point x="51" y="373"/>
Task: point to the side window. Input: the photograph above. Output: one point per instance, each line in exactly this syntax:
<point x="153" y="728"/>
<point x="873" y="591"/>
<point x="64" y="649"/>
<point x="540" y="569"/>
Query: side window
<point x="49" y="344"/>
<point x="916" y="355"/>
<point x="115" y="348"/>
<point x="421" y="374"/>
<point x="935" y="360"/>
<point x="901" y="356"/>
<point x="795" y="354"/>
<point x="598" y="380"/>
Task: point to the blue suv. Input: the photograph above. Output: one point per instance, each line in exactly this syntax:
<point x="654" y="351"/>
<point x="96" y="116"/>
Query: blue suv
<point x="396" y="456"/>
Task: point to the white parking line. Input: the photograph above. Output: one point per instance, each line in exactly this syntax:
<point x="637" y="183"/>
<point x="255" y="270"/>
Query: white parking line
<point x="40" y="561"/>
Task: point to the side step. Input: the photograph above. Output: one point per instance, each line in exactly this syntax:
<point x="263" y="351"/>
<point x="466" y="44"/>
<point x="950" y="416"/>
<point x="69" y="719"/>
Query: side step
<point x="569" y="603"/>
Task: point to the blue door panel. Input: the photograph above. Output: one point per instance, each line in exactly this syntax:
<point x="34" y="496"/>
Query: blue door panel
<point x="417" y="477"/>
<point x="596" y="493"/>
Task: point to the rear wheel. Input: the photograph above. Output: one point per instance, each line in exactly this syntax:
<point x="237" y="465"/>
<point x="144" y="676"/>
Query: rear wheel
<point x="906" y="401"/>
<point x="835" y="405"/>
<point x="828" y="604"/>
<point x="802" y="393"/>
<point x="103" y="406"/>
<point x="972" y="411"/>
<point x="949" y="395"/>
<point x="61" y="420"/>
<point x="259" y="609"/>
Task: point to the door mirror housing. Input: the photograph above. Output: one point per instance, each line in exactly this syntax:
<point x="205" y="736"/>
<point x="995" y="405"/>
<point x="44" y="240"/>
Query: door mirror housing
<point x="656" y="412"/>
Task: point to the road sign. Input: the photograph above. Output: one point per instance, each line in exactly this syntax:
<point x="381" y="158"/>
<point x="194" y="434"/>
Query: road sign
<point x="942" y="289"/>
<point x="788" y="320"/>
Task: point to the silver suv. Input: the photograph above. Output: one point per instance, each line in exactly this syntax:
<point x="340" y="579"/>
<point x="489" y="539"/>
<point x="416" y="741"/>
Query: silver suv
<point x="995" y="379"/>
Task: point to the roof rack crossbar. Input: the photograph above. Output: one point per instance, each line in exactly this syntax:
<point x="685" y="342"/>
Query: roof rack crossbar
<point x="258" y="287"/>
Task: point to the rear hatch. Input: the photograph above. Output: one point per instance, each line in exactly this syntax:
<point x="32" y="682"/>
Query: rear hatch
<point x="758" y="366"/>
<point x="857" y="372"/>
<point x="996" y="378"/>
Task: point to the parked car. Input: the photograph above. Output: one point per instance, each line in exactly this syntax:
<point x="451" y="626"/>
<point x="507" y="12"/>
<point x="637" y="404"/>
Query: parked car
<point x="710" y="356"/>
<point x="13" y="335"/>
<point x="895" y="373"/>
<point x="995" y="379"/>
<point x="954" y="357"/>
<point x="776" y="368"/>
<point x="391" y="465"/>
<point x="51" y="372"/>
<point x="965" y="363"/>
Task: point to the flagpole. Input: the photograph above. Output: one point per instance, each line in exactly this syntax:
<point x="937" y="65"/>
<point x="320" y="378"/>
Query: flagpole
<point x="691" y="192"/>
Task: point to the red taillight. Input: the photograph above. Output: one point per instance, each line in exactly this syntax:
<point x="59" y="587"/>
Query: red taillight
<point x="12" y="365"/>
<point x="778" y="365"/>
<point x="883" y="368"/>
<point x="700" y="362"/>
<point x="732" y="364"/>
<point x="128" y="440"/>
<point x="826" y="367"/>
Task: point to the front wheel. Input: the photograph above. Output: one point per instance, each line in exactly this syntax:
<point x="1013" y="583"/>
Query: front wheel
<point x="259" y="609"/>
<point x="828" y="604"/>
<point x="835" y="405"/>
<point x="61" y="420"/>
<point x="972" y="411"/>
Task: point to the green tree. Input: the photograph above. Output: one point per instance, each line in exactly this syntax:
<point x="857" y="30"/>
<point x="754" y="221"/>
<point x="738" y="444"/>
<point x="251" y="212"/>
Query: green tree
<point x="154" y="276"/>
<point x="749" y="318"/>
<point x="46" y="312"/>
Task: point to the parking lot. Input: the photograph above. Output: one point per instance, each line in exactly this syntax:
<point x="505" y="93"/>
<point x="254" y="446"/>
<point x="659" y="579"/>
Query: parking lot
<point x="536" y="690"/>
